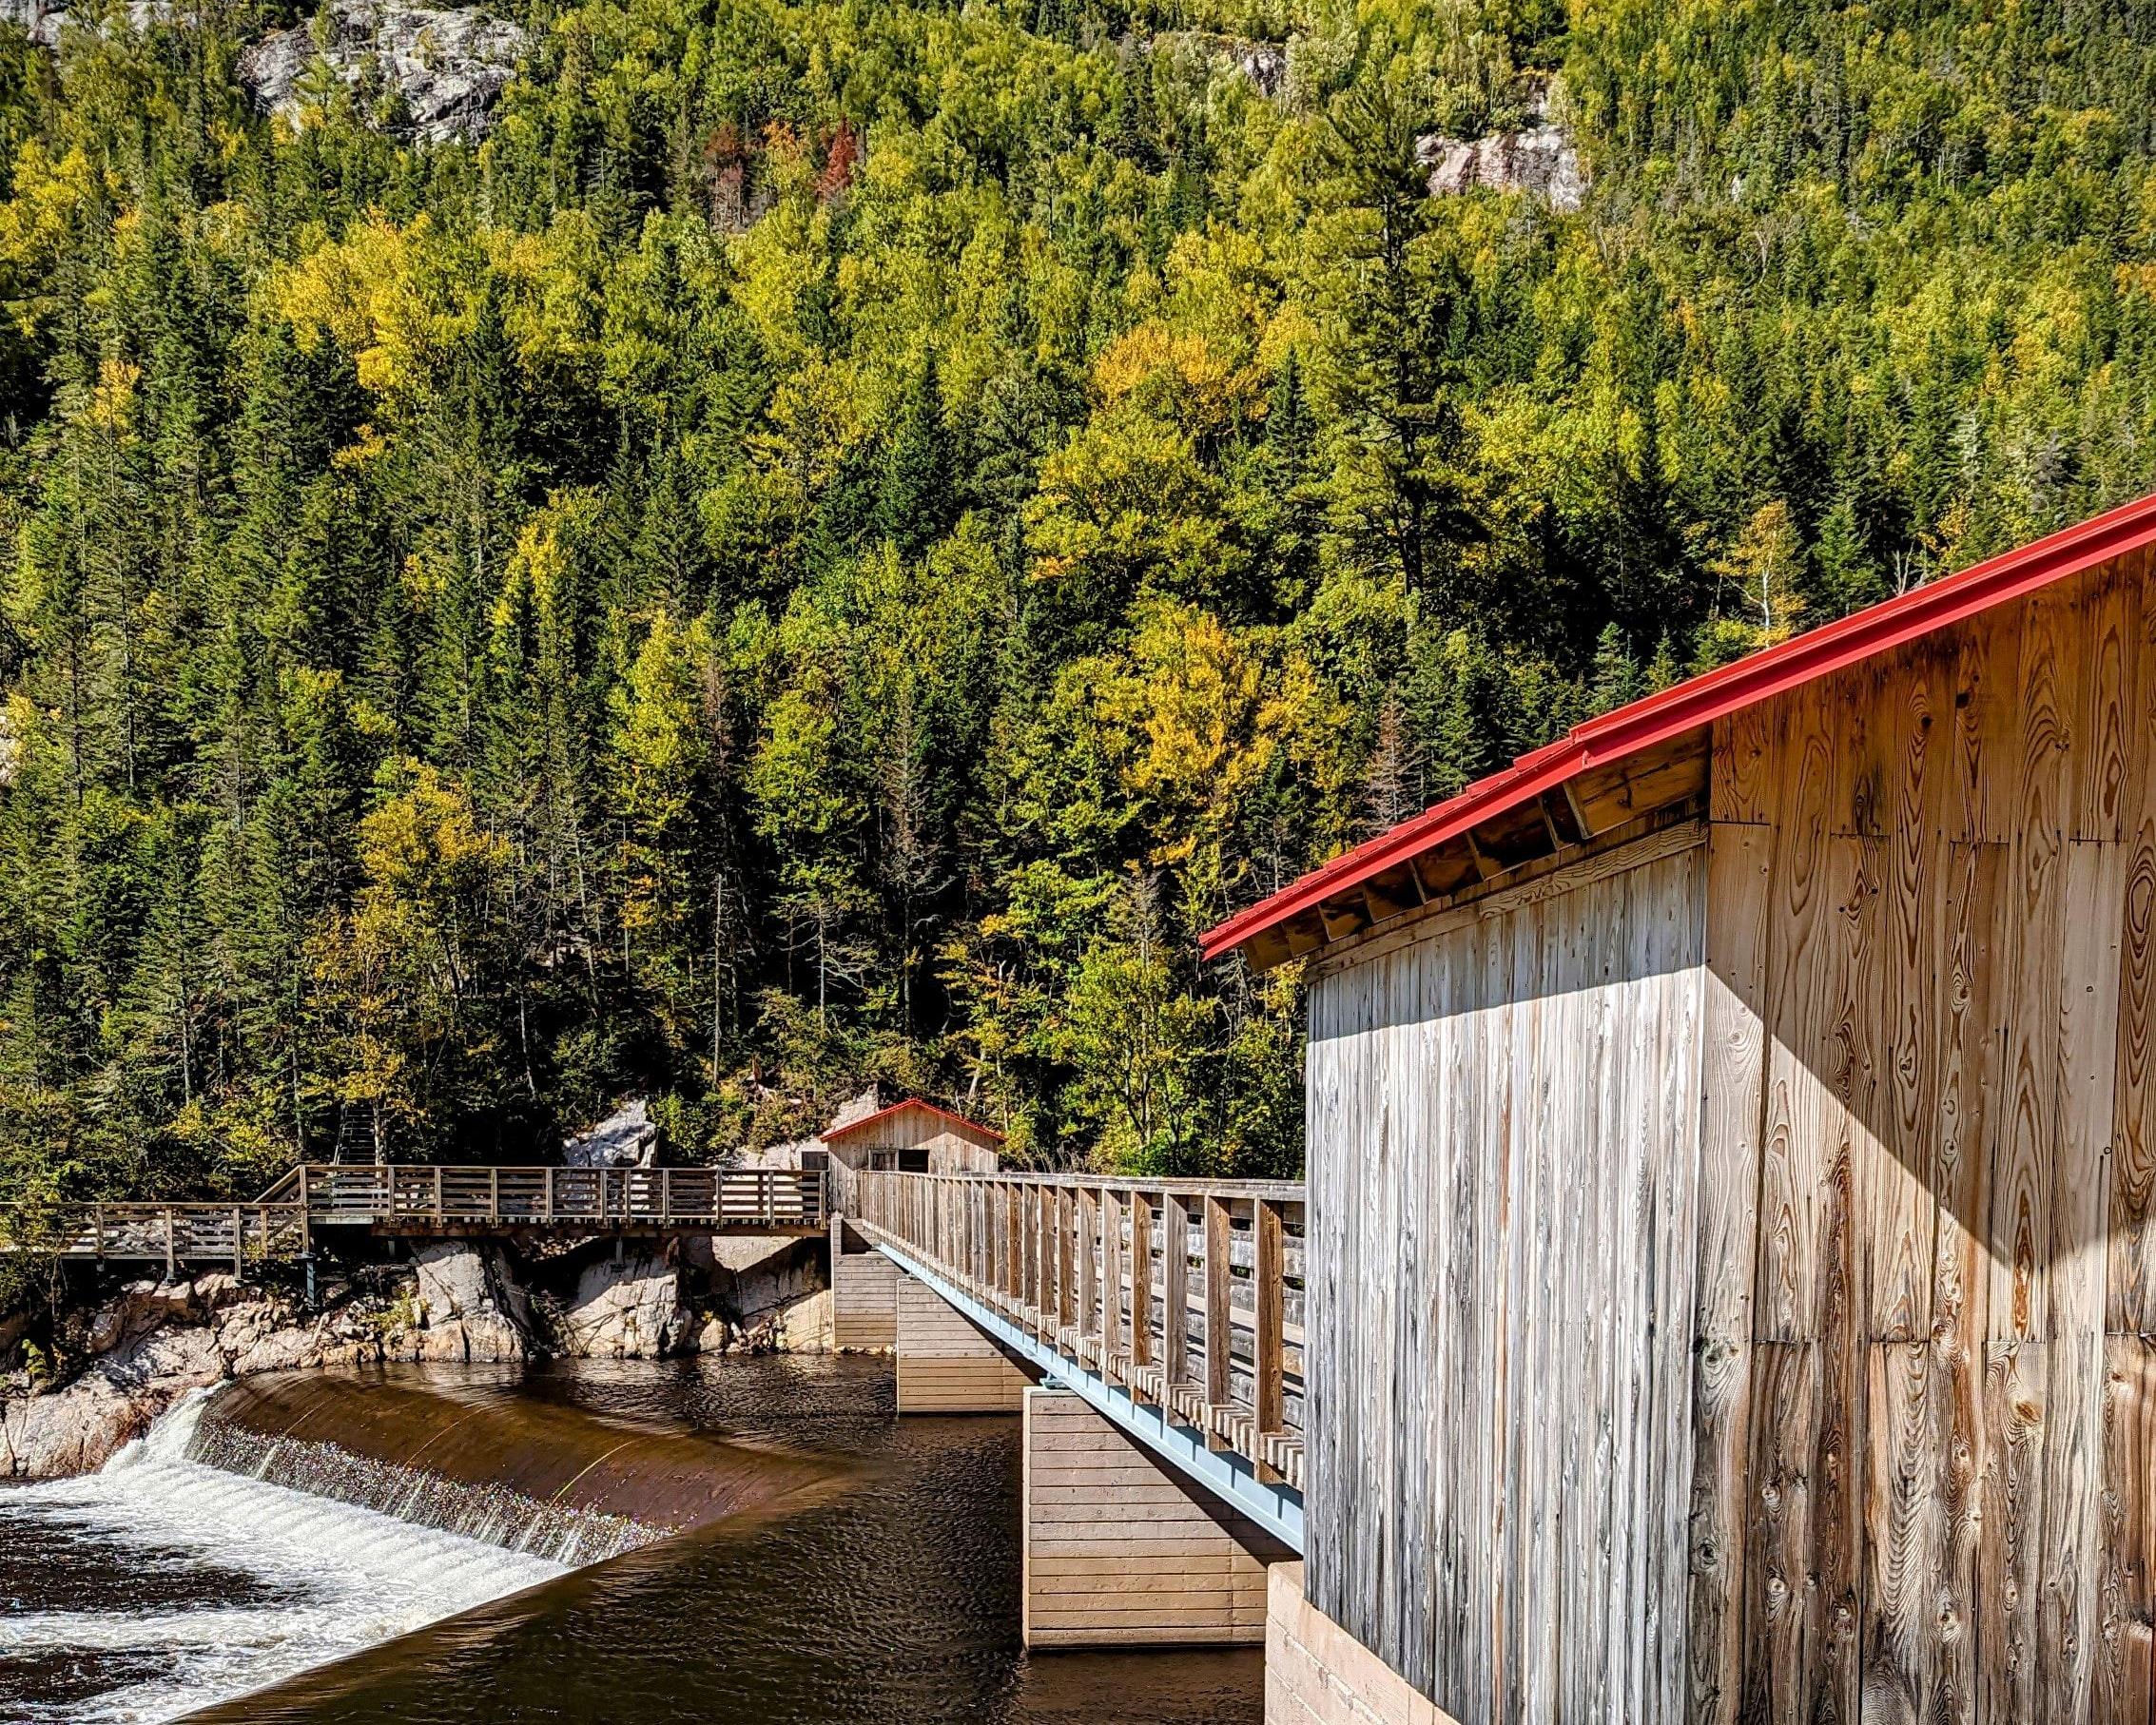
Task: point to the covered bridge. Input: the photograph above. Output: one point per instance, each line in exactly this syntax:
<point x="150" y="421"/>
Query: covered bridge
<point x="1732" y="1132"/>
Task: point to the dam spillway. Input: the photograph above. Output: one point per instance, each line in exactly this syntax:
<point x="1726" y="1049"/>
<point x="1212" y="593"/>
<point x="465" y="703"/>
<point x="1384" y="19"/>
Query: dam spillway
<point x="846" y="1567"/>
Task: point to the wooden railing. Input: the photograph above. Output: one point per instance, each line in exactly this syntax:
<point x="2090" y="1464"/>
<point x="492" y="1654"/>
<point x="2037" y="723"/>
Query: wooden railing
<point x="665" y="1197"/>
<point x="1187" y="1293"/>
<point x="237" y="1234"/>
<point x="280" y="1223"/>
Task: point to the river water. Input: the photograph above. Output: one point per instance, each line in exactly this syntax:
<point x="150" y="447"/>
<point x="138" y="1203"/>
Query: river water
<point x="721" y="1539"/>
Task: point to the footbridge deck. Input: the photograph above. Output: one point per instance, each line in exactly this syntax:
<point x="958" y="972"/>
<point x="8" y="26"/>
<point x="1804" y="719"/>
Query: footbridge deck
<point x="1175" y="1308"/>
<point x="424" y="1202"/>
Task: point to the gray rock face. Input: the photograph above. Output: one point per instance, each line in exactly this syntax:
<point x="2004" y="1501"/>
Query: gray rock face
<point x="1265" y="64"/>
<point x="1540" y="160"/>
<point x="154" y="1343"/>
<point x="630" y="1309"/>
<point x="469" y="1308"/>
<point x="448" y="65"/>
<point x="625" y="1139"/>
<point x="42" y="20"/>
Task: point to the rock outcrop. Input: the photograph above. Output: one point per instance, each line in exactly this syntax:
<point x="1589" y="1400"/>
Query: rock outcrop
<point x="1540" y="159"/>
<point x="627" y="1309"/>
<point x="444" y="67"/>
<point x="153" y="1344"/>
<point x="471" y="1309"/>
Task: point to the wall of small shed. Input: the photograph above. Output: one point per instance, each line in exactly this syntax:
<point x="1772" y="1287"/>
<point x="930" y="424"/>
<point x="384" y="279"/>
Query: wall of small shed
<point x="1499" y="1463"/>
<point x="950" y="1150"/>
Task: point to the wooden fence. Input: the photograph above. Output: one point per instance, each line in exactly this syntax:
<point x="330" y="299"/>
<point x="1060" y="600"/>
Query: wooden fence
<point x="774" y="1200"/>
<point x="280" y="1223"/>
<point x="1134" y="1280"/>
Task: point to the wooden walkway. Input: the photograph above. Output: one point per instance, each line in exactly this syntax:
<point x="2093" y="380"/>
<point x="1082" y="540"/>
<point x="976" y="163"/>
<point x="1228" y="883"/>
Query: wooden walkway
<point x="1132" y="1280"/>
<point x="426" y="1203"/>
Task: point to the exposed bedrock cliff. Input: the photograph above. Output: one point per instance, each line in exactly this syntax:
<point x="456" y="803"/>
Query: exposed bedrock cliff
<point x="441" y="69"/>
<point x="432" y="73"/>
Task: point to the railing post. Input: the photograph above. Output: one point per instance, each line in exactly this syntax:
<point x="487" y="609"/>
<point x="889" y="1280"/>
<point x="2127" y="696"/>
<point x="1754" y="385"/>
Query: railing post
<point x="1066" y="1271"/>
<point x="666" y="1194"/>
<point x="172" y="1260"/>
<point x="1174" y="1290"/>
<point x="1088" y="1244"/>
<point x="547" y="1201"/>
<point x="437" y="1192"/>
<point x="1141" y="1282"/>
<point x="238" y="1247"/>
<point x="1218" y="1319"/>
<point x="306" y="1217"/>
<point x="1111" y="1280"/>
<point x="1268" y="1278"/>
<point x="494" y="1193"/>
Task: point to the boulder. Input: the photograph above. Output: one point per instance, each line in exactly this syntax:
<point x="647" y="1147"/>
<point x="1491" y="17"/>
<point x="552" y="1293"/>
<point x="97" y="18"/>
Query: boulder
<point x="469" y="1308"/>
<point x="626" y="1309"/>
<point x="76" y="1429"/>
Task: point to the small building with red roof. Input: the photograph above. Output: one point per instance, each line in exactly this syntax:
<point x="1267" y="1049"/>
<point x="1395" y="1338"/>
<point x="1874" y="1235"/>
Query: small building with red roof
<point x="1731" y="1154"/>
<point x="916" y="1136"/>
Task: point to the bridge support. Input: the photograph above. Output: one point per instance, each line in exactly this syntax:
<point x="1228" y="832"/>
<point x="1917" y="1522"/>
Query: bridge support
<point x="1123" y="1551"/>
<point x="1317" y="1673"/>
<point x="864" y="1295"/>
<point x="945" y="1365"/>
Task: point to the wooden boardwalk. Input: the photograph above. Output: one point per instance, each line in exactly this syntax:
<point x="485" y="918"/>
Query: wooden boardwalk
<point x="427" y="1203"/>
<point x="1131" y="1280"/>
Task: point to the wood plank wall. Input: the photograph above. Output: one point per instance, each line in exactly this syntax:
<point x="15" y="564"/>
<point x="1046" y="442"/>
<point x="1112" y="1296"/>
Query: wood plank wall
<point x="1749" y="1315"/>
<point x="1922" y="1450"/>
<point x="1122" y="1551"/>
<point x="864" y="1300"/>
<point x="945" y="1364"/>
<point x="1498" y="1452"/>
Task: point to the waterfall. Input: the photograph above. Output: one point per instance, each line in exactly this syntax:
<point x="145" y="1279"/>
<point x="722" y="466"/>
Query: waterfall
<point x="497" y="1513"/>
<point x="313" y="1577"/>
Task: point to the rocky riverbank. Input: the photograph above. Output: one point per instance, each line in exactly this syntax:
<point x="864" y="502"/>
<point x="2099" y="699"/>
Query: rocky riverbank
<point x="110" y="1366"/>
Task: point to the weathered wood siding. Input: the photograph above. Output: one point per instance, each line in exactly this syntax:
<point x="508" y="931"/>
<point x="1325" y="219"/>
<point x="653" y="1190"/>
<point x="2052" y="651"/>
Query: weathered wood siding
<point x="945" y="1364"/>
<point x="1499" y="1448"/>
<point x="864" y="1300"/>
<point x="1923" y="1458"/>
<point x="950" y="1150"/>
<point x="1749" y="1315"/>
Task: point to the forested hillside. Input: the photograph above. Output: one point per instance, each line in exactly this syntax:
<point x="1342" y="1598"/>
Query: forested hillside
<point x="841" y="534"/>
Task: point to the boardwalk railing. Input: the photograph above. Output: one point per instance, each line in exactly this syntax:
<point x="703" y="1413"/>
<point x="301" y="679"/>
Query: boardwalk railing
<point x="1187" y="1293"/>
<point x="662" y="1197"/>
<point x="282" y="1223"/>
<point x="237" y="1234"/>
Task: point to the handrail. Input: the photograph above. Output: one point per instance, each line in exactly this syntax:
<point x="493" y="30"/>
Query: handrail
<point x="410" y="1198"/>
<point x="1188" y="1294"/>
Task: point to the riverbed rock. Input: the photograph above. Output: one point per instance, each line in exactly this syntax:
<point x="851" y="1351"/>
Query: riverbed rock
<point x="469" y="1308"/>
<point x="76" y="1429"/>
<point x="445" y="66"/>
<point x="626" y="1309"/>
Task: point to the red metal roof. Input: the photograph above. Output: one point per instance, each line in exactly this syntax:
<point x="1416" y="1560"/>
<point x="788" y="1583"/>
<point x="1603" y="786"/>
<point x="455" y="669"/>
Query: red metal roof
<point x="1726" y="689"/>
<point x="945" y="1114"/>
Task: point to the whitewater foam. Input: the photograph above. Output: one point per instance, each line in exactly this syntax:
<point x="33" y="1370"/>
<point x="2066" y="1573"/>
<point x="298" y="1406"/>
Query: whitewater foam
<point x="339" y="1577"/>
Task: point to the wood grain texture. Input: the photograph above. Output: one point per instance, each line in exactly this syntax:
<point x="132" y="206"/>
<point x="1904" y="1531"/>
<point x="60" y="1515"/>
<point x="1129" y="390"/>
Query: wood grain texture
<point x="1860" y="1094"/>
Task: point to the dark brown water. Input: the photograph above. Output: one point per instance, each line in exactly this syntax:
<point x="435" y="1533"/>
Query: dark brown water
<point x="871" y="1577"/>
